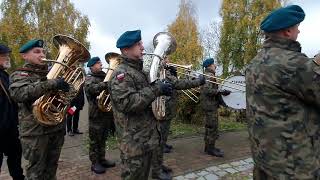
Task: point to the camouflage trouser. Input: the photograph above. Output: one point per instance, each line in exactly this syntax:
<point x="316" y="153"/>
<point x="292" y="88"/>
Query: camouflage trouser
<point x="211" y="128"/>
<point x="98" y="134"/>
<point x="259" y="174"/>
<point x="157" y="158"/>
<point x="42" y="153"/>
<point x="136" y="168"/>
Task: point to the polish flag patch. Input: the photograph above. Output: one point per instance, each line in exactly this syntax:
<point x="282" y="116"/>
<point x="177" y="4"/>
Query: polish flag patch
<point x="24" y="74"/>
<point x="120" y="77"/>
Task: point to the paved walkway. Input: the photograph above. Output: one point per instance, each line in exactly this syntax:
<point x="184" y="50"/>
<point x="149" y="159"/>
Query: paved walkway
<point x="187" y="158"/>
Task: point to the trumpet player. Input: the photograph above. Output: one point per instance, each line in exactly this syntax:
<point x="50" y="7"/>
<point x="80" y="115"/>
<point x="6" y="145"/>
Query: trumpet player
<point x="131" y="98"/>
<point x="41" y="145"/>
<point x="159" y="170"/>
<point x="100" y="123"/>
<point x="209" y="98"/>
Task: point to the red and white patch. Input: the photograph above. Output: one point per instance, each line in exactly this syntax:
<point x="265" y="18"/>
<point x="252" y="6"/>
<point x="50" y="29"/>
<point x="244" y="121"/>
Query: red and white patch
<point x="120" y="77"/>
<point x="24" y="74"/>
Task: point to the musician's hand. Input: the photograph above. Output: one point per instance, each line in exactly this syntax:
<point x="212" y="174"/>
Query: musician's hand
<point x="62" y="85"/>
<point x="202" y="80"/>
<point x="172" y="70"/>
<point x="104" y="85"/>
<point x="165" y="88"/>
<point x="225" y="92"/>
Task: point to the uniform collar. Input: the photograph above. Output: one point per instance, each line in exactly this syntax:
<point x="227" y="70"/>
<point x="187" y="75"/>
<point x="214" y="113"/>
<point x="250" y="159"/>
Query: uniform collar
<point x="98" y="74"/>
<point x="137" y="64"/>
<point x="283" y="43"/>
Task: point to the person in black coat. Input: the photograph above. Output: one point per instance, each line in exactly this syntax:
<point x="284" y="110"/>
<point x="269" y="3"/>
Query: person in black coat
<point x="9" y="134"/>
<point x="74" y="113"/>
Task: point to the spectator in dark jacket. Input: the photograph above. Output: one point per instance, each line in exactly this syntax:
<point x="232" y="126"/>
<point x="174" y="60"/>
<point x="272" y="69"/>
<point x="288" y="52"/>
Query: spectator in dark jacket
<point x="9" y="135"/>
<point x="74" y="112"/>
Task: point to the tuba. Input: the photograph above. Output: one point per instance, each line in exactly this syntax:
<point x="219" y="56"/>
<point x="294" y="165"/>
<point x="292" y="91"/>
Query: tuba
<point x="164" y="44"/>
<point x="104" y="103"/>
<point x="50" y="109"/>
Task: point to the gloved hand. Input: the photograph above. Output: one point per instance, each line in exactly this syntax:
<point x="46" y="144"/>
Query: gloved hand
<point x="104" y="85"/>
<point x="202" y="79"/>
<point x="225" y="92"/>
<point x="62" y="85"/>
<point x="165" y="88"/>
<point x="172" y="70"/>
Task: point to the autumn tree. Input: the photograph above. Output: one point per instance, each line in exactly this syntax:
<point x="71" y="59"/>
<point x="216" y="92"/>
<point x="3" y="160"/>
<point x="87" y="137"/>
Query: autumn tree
<point x="189" y="51"/>
<point x="210" y="37"/>
<point x="185" y="31"/>
<point x="27" y="19"/>
<point x="240" y="31"/>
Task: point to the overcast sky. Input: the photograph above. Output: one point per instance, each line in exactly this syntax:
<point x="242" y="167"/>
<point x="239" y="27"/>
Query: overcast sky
<point x="109" y="19"/>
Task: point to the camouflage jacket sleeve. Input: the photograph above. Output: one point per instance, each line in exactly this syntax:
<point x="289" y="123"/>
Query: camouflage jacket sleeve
<point x="180" y="84"/>
<point x="94" y="88"/>
<point x="304" y="82"/>
<point x="209" y="89"/>
<point x="128" y="98"/>
<point x="28" y="89"/>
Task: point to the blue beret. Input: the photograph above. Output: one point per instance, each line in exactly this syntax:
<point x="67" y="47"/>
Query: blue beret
<point x="93" y="61"/>
<point x="31" y="44"/>
<point x="129" y="38"/>
<point x="207" y="62"/>
<point x="4" y="49"/>
<point x="282" y="18"/>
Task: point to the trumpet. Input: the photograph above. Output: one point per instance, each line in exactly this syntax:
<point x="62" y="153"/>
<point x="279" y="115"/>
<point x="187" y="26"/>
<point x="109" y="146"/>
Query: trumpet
<point x="189" y="71"/>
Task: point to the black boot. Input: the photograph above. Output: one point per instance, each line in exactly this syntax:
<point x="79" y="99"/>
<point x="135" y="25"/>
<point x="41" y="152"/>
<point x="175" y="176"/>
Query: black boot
<point x="169" y="146"/>
<point x="166" y="169"/>
<point x="107" y="163"/>
<point x="215" y="152"/>
<point x="166" y="150"/>
<point x="98" y="168"/>
<point x="162" y="176"/>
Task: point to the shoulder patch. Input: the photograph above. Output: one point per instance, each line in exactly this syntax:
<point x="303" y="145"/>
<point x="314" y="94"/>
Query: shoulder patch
<point x="23" y="74"/>
<point x="317" y="60"/>
<point x="120" y="77"/>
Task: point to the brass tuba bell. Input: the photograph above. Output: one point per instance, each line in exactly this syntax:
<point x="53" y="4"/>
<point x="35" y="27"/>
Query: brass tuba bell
<point x="164" y="44"/>
<point x="50" y="109"/>
<point x="104" y="101"/>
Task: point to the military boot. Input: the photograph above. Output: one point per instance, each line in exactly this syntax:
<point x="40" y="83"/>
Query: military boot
<point x="169" y="146"/>
<point x="98" y="168"/>
<point x="215" y="152"/>
<point x="107" y="163"/>
<point x="166" y="169"/>
<point x="166" y="149"/>
<point x="162" y="176"/>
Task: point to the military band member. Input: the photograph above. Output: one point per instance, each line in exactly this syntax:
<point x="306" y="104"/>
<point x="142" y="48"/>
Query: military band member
<point x="100" y="123"/>
<point x="9" y="134"/>
<point x="171" y="108"/>
<point x="209" y="98"/>
<point x="131" y="97"/>
<point x="283" y="101"/>
<point x="41" y="145"/>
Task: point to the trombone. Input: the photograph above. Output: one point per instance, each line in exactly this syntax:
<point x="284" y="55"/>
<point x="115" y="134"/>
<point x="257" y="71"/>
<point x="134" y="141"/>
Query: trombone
<point x="191" y="95"/>
<point x="188" y="68"/>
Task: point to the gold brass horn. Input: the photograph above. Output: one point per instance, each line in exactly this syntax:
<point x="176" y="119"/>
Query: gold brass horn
<point x="104" y="103"/>
<point x="50" y="109"/>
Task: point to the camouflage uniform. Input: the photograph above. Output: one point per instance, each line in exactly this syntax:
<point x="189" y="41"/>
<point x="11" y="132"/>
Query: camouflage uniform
<point x="171" y="109"/>
<point x="100" y="122"/>
<point x="209" y="98"/>
<point x="41" y="145"/>
<point x="282" y="91"/>
<point x="131" y="97"/>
